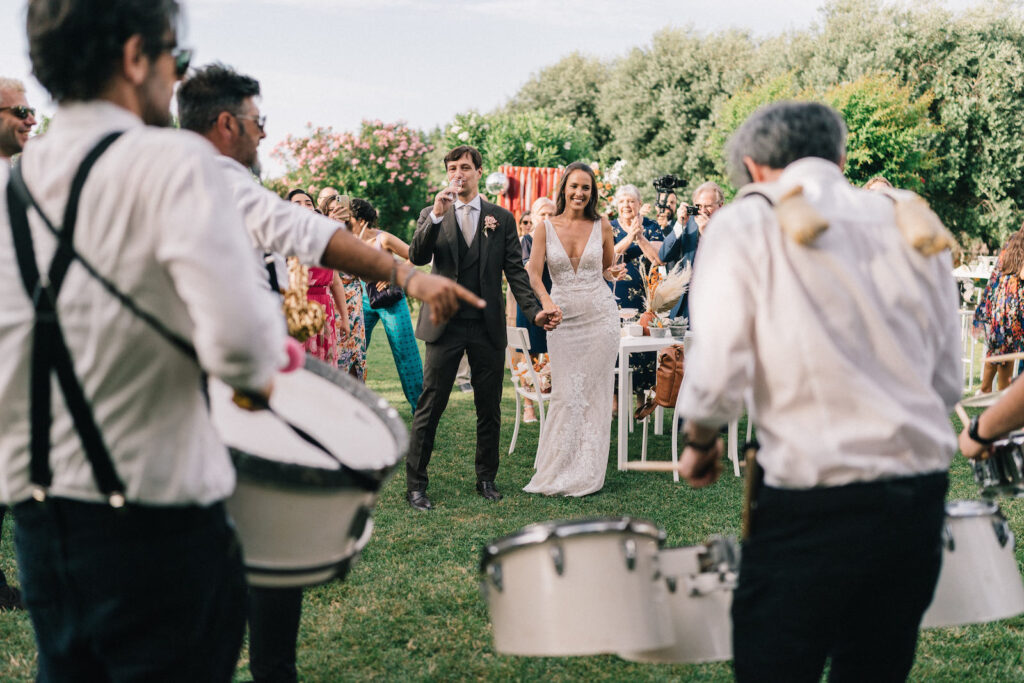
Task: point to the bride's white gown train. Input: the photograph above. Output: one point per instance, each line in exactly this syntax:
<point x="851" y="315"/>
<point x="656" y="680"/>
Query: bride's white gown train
<point x="573" y="452"/>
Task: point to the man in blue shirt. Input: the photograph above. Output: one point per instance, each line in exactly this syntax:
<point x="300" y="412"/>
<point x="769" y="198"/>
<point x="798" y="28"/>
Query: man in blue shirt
<point x="680" y="245"/>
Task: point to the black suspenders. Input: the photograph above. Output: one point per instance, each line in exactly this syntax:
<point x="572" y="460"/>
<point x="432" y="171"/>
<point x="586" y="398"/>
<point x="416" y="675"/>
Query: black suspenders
<point x="50" y="353"/>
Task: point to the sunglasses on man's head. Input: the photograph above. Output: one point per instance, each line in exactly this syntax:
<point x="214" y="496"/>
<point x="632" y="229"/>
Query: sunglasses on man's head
<point x="21" y="111"/>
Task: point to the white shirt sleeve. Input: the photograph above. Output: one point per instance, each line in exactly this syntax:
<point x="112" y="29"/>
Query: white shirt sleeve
<point x="435" y="219"/>
<point x="275" y="224"/>
<point x="238" y="331"/>
<point x="948" y="378"/>
<point x="678" y="229"/>
<point x="719" y="368"/>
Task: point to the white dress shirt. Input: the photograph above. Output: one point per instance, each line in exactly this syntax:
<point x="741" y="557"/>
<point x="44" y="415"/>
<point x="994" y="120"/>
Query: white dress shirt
<point x="474" y="212"/>
<point x="277" y="225"/>
<point x="851" y="346"/>
<point x="156" y="219"/>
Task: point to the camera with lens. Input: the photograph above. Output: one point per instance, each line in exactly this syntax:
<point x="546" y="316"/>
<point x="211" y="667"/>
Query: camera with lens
<point x="664" y="186"/>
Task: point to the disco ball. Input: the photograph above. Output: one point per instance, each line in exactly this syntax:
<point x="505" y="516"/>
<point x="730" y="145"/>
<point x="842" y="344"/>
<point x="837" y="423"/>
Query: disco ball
<point x="497" y="183"/>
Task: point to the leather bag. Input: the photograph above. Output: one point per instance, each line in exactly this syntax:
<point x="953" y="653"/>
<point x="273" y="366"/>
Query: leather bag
<point x="669" y="376"/>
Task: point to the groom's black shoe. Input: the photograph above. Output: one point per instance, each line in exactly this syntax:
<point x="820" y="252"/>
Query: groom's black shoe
<point x="418" y="501"/>
<point x="487" y="490"/>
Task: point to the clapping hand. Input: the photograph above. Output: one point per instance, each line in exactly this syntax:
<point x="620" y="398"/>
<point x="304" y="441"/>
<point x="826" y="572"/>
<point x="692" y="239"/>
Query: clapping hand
<point x="549" y="318"/>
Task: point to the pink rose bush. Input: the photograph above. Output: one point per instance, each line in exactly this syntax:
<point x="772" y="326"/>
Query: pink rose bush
<point x="384" y="163"/>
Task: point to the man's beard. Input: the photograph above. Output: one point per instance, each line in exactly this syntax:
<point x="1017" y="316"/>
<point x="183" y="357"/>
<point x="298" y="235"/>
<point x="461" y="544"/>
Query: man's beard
<point x="255" y="166"/>
<point x="155" y="112"/>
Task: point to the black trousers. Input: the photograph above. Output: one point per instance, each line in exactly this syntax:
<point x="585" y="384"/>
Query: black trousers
<point x="441" y="363"/>
<point x="136" y="594"/>
<point x="274" y="615"/>
<point x="3" y="511"/>
<point x="844" y="573"/>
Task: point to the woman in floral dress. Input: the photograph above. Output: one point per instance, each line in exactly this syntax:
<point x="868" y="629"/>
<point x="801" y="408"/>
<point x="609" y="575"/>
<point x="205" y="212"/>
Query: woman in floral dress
<point x="351" y="354"/>
<point x="1000" y="313"/>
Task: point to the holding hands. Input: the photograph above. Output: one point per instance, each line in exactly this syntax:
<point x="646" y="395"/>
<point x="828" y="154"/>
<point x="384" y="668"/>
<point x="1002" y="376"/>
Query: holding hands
<point x="549" y="317"/>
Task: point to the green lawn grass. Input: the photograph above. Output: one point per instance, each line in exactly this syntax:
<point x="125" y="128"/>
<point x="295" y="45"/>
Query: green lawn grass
<point x="411" y="610"/>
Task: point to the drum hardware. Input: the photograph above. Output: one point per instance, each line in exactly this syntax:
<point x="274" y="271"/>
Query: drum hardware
<point x="699" y="582"/>
<point x="558" y="557"/>
<point x="629" y="550"/>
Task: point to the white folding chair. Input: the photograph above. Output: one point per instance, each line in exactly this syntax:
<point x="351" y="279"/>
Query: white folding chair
<point x="519" y="342"/>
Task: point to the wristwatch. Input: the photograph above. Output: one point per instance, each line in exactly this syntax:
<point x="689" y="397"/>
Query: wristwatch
<point x="972" y="431"/>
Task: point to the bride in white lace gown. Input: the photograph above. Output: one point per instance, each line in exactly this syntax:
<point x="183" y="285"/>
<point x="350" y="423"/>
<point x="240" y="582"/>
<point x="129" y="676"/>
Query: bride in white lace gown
<point x="578" y="246"/>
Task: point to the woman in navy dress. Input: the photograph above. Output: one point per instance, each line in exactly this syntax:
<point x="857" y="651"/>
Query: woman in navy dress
<point x="637" y="240"/>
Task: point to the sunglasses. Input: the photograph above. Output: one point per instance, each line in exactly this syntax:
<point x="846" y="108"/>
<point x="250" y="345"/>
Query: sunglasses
<point x="21" y="111"/>
<point x="260" y="121"/>
<point x="182" y="56"/>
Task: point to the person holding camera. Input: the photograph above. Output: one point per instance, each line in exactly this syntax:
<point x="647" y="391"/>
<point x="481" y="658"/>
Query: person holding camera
<point x="680" y="245"/>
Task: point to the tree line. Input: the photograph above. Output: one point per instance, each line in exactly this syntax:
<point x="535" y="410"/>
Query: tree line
<point x="933" y="100"/>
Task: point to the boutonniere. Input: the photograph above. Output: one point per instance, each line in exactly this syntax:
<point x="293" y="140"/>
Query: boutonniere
<point x="490" y="223"/>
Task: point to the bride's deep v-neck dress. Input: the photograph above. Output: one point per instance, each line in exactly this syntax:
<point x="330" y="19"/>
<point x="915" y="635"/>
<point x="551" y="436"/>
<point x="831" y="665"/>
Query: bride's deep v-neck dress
<point x="573" y="453"/>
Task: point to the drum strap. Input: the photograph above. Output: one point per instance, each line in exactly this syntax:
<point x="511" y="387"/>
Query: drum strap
<point x="50" y="353"/>
<point x="268" y="262"/>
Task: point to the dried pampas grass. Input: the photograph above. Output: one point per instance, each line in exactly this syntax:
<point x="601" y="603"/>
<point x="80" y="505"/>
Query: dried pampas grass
<point x="663" y="295"/>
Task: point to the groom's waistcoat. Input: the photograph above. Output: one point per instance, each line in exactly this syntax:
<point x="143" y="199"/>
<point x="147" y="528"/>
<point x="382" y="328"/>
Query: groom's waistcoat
<point x="469" y="273"/>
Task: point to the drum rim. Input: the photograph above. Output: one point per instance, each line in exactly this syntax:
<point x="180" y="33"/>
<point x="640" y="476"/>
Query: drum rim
<point x="964" y="508"/>
<point x="541" y="532"/>
<point x="311" y="476"/>
<point x="257" y="469"/>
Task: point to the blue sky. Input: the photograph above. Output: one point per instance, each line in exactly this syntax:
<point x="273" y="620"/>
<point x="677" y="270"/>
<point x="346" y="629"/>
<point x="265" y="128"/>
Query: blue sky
<point x="336" y="62"/>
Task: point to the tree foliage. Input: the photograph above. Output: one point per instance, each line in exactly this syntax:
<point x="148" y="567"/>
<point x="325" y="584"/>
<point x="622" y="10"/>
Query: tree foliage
<point x="383" y="162"/>
<point x="932" y="99"/>
<point x="567" y="90"/>
<point x="531" y="138"/>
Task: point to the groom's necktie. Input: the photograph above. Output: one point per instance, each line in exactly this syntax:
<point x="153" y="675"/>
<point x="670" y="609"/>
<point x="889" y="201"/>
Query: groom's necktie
<point x="468" y="229"/>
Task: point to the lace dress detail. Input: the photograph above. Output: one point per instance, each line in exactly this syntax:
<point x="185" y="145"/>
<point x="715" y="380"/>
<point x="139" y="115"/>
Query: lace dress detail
<point x="573" y="453"/>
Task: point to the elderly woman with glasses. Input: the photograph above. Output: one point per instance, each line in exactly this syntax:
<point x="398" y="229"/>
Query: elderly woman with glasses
<point x="637" y="241"/>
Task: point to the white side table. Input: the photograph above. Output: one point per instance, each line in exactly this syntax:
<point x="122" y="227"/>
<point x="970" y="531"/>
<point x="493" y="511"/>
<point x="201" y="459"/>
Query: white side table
<point x="627" y="346"/>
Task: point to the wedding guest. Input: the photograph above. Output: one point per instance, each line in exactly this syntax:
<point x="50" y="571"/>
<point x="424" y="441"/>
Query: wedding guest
<point x="999" y="316"/>
<point x="351" y="347"/>
<point x="16" y="117"/>
<point x="395" y="315"/>
<point x="637" y="241"/>
<point x="543" y="209"/>
<point x="16" y="121"/>
<point x="325" y="193"/>
<point x="326" y="289"/>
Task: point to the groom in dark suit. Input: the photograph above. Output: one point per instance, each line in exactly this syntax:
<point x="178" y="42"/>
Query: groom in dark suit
<point x="472" y="242"/>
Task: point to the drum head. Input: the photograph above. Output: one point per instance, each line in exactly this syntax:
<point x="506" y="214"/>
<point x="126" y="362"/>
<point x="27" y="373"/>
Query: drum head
<point x="358" y="427"/>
